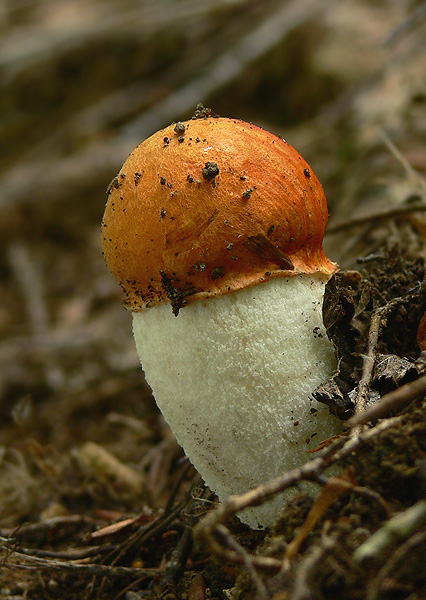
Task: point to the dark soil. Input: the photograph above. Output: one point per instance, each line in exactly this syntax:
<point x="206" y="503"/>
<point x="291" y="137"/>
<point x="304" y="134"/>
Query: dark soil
<point x="97" y="501"/>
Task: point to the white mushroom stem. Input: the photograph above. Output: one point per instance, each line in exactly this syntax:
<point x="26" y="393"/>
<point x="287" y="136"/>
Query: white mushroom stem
<point x="232" y="376"/>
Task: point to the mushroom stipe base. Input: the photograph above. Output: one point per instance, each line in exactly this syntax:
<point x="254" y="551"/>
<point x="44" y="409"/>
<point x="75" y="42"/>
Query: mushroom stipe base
<point x="233" y="375"/>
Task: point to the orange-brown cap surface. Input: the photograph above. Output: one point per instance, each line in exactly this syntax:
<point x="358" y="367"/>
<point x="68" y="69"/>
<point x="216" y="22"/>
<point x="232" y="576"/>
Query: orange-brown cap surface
<point x="211" y="206"/>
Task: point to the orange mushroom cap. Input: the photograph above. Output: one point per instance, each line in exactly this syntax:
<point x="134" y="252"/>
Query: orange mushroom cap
<point x="211" y="206"/>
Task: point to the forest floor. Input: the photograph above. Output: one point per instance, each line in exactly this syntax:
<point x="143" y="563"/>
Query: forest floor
<point x="96" y="498"/>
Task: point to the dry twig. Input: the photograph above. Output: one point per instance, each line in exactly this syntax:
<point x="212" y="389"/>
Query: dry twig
<point x="369" y="360"/>
<point x="178" y="559"/>
<point x="398" y="528"/>
<point x="378" y="320"/>
<point x="401" y="553"/>
<point x="246" y="559"/>
<point x="410" y="173"/>
<point x="302" y="588"/>
<point x="333" y="489"/>
<point x="229" y="65"/>
<point x="373" y="217"/>
<point x="395" y="400"/>
<point x="207" y="529"/>
<point x="31" y="562"/>
<point x="62" y="177"/>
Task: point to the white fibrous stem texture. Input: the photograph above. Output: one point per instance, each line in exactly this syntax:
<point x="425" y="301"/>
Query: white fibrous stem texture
<point x="233" y="375"/>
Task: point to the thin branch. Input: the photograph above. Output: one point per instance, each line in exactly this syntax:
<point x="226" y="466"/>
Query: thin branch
<point x="397" y="529"/>
<point x="229" y="65"/>
<point x="302" y="588"/>
<point x="29" y="562"/>
<point x="342" y="447"/>
<point x="149" y="531"/>
<point x="38" y="44"/>
<point x="394" y="401"/>
<point x="378" y="320"/>
<point x="48" y="527"/>
<point x="73" y="554"/>
<point x="410" y="172"/>
<point x="246" y="559"/>
<point x="386" y="213"/>
<point x="401" y="553"/>
<point x="65" y="176"/>
<point x="369" y="360"/>
<point x="30" y="282"/>
<point x="216" y="546"/>
<point x="416" y="16"/>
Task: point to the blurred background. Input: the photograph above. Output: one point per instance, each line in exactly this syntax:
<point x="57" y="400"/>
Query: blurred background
<point x="82" y="83"/>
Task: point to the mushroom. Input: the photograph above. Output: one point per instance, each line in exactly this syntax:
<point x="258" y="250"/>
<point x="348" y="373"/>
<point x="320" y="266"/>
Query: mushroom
<point x="214" y="230"/>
